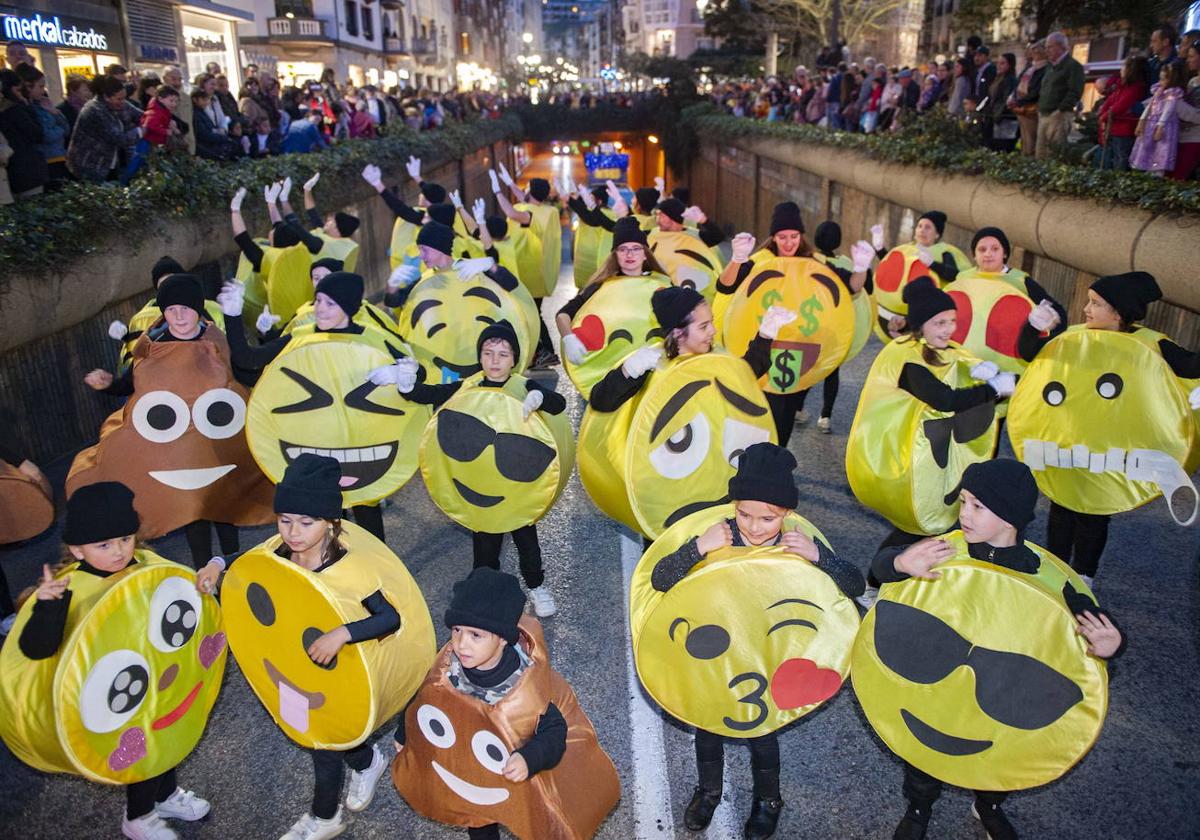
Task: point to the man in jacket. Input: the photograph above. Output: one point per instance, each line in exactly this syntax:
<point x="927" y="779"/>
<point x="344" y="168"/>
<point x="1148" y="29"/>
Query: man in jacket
<point x="1062" y="87"/>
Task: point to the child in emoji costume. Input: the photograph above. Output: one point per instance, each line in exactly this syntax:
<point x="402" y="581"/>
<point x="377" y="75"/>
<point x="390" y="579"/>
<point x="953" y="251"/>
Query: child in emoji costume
<point x="1027" y="627"/>
<point x="114" y="665"/>
<point x="1105" y="417"/>
<point x="687" y="253"/>
<point x="403" y="248"/>
<point x="705" y="577"/>
<point x="275" y="273"/>
<point x="369" y="315"/>
<point x="352" y="677"/>
<point x="179" y="441"/>
<point x="925" y="256"/>
<point x="497" y="736"/>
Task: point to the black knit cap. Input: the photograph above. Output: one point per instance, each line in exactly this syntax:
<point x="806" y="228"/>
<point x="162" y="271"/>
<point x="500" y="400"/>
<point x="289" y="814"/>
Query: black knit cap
<point x="487" y="599"/>
<point x="497" y="227"/>
<point x="1129" y="293"/>
<point x="601" y="196"/>
<point x="673" y="208"/>
<point x="182" y="290"/>
<point x="786" y="216"/>
<point x="164" y="266"/>
<point x="284" y="235"/>
<point x="434" y="193"/>
<point x="646" y="197"/>
<point x="925" y="300"/>
<point x="437" y="236"/>
<point x="99" y="512"/>
<point x="672" y="304"/>
<point x="539" y="188"/>
<point x="345" y="288"/>
<point x="937" y="217"/>
<point x="626" y="230"/>
<point x="683" y="194"/>
<point x="995" y="233"/>
<point x="443" y="214"/>
<point x="345" y="223"/>
<point x="1005" y="487"/>
<point x="311" y="486"/>
<point x="327" y="262"/>
<point x="828" y="237"/>
<point x="764" y="474"/>
<point x="502" y="330"/>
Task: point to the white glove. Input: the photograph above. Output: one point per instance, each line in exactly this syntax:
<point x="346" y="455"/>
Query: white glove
<point x="456" y="200"/>
<point x="235" y="203"/>
<point x="479" y="213"/>
<point x="231" y="298"/>
<point x="589" y="200"/>
<point x="861" y="255"/>
<point x="373" y="176"/>
<point x="413" y="168"/>
<point x="266" y="320"/>
<point x="743" y="244"/>
<point x="924" y="255"/>
<point x="495" y="180"/>
<point x="469" y="269"/>
<point x="1003" y="384"/>
<point x="569" y="186"/>
<point x="533" y="401"/>
<point x="504" y="176"/>
<point x="403" y="275"/>
<point x="877" y="237"/>
<point x="660" y="184"/>
<point x="613" y="192"/>
<point x="777" y="318"/>
<point x="286" y="189"/>
<point x="694" y="214"/>
<point x="271" y="193"/>
<point x="312" y="182"/>
<point x="985" y="371"/>
<point x="402" y="374"/>
<point x="1194" y="398"/>
<point x="1044" y="317"/>
<point x="573" y="349"/>
<point x="117" y="330"/>
<point x="640" y="361"/>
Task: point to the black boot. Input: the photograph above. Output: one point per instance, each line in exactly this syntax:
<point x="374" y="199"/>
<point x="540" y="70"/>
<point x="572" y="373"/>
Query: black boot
<point x="912" y="827"/>
<point x="764" y="816"/>
<point x="994" y="822"/>
<point x="699" y="811"/>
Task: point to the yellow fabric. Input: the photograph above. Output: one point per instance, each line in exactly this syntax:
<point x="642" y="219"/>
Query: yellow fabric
<point x="284" y="281"/>
<point x="369" y="316"/>
<point x="621" y="304"/>
<point x="146" y="317"/>
<point x="74" y="713"/>
<point x="1089" y="452"/>
<point x="373" y="432"/>
<point x="475" y="493"/>
<point x="1006" y="628"/>
<point x="721" y="300"/>
<point x="992" y="308"/>
<point x="891" y="464"/>
<point x="339" y="248"/>
<point x="687" y="260"/>
<point x="648" y="470"/>
<point x="719" y="650"/>
<point x="403" y="244"/>
<point x="592" y="247"/>
<point x="896" y="269"/>
<point x="547" y="226"/>
<point x="864" y="307"/>
<point x="336" y="707"/>
<point x="521" y="253"/>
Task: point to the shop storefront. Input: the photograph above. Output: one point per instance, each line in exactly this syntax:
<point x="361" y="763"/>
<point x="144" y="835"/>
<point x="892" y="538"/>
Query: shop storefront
<point x="61" y="45"/>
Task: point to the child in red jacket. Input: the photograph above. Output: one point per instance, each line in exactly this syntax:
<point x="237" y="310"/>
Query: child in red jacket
<point x="157" y="125"/>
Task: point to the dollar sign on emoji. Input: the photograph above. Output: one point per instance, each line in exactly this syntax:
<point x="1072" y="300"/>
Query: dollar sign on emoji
<point x="784" y="377"/>
<point x="810" y="323"/>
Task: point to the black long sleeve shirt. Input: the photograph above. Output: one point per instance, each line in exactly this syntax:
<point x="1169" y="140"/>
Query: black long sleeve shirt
<point x="919" y="381"/>
<point x="311" y="241"/>
<point x="400" y="209"/>
<point x="437" y="395"/>
<point x="47" y="624"/>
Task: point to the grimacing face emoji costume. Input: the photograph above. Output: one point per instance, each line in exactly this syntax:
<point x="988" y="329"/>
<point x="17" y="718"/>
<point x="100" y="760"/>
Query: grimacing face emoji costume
<point x="128" y="693"/>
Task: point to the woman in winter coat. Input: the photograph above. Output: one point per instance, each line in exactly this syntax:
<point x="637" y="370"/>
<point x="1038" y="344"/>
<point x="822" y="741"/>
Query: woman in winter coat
<point x="27" y="173"/>
<point x="101" y="137"/>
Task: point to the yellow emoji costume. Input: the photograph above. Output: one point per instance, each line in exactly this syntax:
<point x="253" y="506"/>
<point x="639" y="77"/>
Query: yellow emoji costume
<point x="593" y="244"/>
<point x="369" y="316"/>
<point x="283" y="282"/>
<point x="521" y="253"/>
<point x="687" y="260"/>
<point x="337" y="247"/>
<point x="900" y="266"/>
<point x="25" y="509"/>
<point x="546" y="225"/>
<point x="992" y="308"/>
<point x="864" y="307"/>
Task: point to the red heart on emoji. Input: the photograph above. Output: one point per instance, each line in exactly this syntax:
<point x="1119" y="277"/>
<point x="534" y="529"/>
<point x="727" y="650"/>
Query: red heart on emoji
<point x="799" y="682"/>
<point x="591" y="332"/>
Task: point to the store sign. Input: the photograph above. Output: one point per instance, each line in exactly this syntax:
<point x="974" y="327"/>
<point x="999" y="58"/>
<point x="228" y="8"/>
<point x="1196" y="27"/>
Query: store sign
<point x="158" y="53"/>
<point x="52" y="32"/>
<point x="206" y="44"/>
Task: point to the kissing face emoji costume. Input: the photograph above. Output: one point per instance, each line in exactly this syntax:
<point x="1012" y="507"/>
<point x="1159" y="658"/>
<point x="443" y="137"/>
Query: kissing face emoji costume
<point x="25" y="509"/>
<point x="979" y="678"/>
<point x="128" y="693"/>
<point x="899" y="266"/>
<point x="750" y="640"/>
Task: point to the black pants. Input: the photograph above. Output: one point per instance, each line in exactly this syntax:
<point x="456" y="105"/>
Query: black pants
<point x="7" y="607"/>
<point x="370" y="519"/>
<point x="199" y="540"/>
<point x="783" y="412"/>
<point x="485" y="832"/>
<point x="922" y="790"/>
<point x="1077" y="538"/>
<point x="329" y="770"/>
<point x="829" y="392"/>
<point x="140" y="797"/>
<point x="529" y="553"/>
<point x="764" y="762"/>
<point x="544" y="345"/>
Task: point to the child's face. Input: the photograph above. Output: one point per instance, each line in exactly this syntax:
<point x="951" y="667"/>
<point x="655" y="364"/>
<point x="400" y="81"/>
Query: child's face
<point x="475" y="648"/>
<point x="301" y="532"/>
<point x="979" y="524"/>
<point x="938" y="329"/>
<point x="496" y="359"/>
<point x="182" y="321"/>
<point x="989" y="254"/>
<point x="328" y="314"/>
<point x="170" y="102"/>
<point x="264" y="127"/>
<point x="925" y="233"/>
<point x="318" y="274"/>
<point x="759" y="522"/>
<point x="1099" y="314"/>
<point x="108" y="555"/>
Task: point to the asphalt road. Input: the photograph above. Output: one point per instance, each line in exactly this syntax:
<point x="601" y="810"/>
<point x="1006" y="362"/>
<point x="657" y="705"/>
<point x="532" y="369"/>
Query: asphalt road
<point x="1142" y="779"/>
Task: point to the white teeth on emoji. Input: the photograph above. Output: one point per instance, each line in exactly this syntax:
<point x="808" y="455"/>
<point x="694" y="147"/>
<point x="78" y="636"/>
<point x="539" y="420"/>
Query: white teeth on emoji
<point x="353" y="455"/>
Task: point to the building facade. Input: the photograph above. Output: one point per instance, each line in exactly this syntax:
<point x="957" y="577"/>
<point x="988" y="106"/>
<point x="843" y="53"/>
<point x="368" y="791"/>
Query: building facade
<point x="588" y="35"/>
<point x="664" y="27"/>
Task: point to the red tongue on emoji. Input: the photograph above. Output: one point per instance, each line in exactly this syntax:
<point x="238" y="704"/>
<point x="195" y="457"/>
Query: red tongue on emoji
<point x="591" y="332"/>
<point x="799" y="682"/>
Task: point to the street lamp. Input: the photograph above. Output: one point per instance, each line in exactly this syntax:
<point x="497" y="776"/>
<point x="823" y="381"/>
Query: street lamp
<point x="527" y="37"/>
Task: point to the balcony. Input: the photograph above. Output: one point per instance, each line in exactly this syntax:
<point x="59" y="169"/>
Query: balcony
<point x="425" y="50"/>
<point x="296" y="30"/>
<point x="392" y="44"/>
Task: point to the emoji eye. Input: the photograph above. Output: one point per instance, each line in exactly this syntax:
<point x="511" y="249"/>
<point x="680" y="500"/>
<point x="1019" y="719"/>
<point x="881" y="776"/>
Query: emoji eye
<point x="357" y="398"/>
<point x="435" y="726"/>
<point x="174" y="611"/>
<point x="1109" y="386"/>
<point x="113" y="691"/>
<point x="489" y="751"/>
<point x="694" y="278"/>
<point x="317" y="397"/>
<point x="1055" y="393"/>
<point x="219" y="413"/>
<point x="682" y="453"/>
<point x="737" y="437"/>
<point x="261" y="604"/>
<point x="708" y="641"/>
<point x="161" y="416"/>
<point x="310" y="635"/>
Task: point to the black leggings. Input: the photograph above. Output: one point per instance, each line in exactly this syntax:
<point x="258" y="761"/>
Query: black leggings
<point x="199" y="540"/>
<point x="329" y="767"/>
<point x="1077" y="538"/>
<point x="764" y="762"/>
<point x="7" y="607"/>
<point x="370" y="519"/>
<point x="829" y="392"/>
<point x="922" y="790"/>
<point x="544" y="344"/>
<point x="485" y="832"/>
<point x="529" y="553"/>
<point x="140" y="797"/>
<point x="783" y="412"/>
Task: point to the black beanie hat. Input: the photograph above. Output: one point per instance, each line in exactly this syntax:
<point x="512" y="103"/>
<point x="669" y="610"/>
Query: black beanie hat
<point x="441" y="213"/>
<point x="683" y="194"/>
<point x="437" y="236"/>
<point x="764" y="474"/>
<point x="995" y="233"/>
<point x="646" y="197"/>
<point x="925" y="300"/>
<point x="627" y="230"/>
<point x="487" y="599"/>
<point x="329" y="263"/>
<point x="500" y="329"/>
<point x="601" y="196"/>
<point x="99" y="512"/>
<point x="345" y="223"/>
<point x="1005" y="487"/>
<point x="345" y="288"/>
<point x="164" y="266"/>
<point x="497" y="227"/>
<point x="285" y="235"/>
<point x="1129" y="293"/>
<point x="828" y="237"/>
<point x="672" y="304"/>
<point x="181" y="289"/>
<point x="786" y="216"/>
<point x="673" y="208"/>
<point x="311" y="486"/>
<point x="937" y="217"/>
<point x="539" y="188"/>
<point x="434" y="193"/>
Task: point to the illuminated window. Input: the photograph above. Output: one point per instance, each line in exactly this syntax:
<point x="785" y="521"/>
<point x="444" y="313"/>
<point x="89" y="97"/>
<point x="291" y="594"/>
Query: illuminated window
<point x="464" y="43"/>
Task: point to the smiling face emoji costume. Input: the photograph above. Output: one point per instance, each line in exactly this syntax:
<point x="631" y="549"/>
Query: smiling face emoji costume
<point x="687" y="260"/>
<point x="750" y="640"/>
<point x="25" y="509"/>
<point x="275" y="609"/>
<point x="898" y="267"/>
<point x="979" y="678"/>
<point x="127" y="695"/>
<point x="669" y="451"/>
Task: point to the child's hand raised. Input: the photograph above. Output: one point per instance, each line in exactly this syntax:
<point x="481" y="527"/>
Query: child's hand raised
<point x="919" y="558"/>
<point x="51" y="588"/>
<point x="1103" y="638"/>
<point x="717" y="536"/>
<point x="515" y="769"/>
<point x="800" y="543"/>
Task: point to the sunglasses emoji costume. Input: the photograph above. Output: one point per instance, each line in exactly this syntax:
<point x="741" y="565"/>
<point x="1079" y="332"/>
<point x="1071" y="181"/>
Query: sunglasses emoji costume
<point x="25" y="509"/>
<point x="129" y="690"/>
<point x="979" y="678"/>
<point x="897" y="269"/>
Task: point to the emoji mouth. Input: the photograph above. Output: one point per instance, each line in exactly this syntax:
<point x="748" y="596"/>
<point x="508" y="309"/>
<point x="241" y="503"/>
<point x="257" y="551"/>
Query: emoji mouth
<point x="191" y="479"/>
<point x="801" y="682"/>
<point x="294" y="702"/>
<point x="474" y="497"/>
<point x="884" y="316"/>
<point x="939" y="741"/>
<point x="461" y="370"/>
<point x="361" y="465"/>
<point x="1150" y="465"/>
<point x="179" y="711"/>
<point x="689" y="509"/>
<point x="472" y="793"/>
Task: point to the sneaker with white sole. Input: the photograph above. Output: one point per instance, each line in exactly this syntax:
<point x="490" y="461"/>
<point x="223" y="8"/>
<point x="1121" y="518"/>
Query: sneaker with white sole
<point x="867" y="599"/>
<point x="309" y="827"/>
<point x="543" y="602"/>
<point x="824" y="426"/>
<point x="362" y="783"/>
<point x="802" y="418"/>
<point x="149" y="827"/>
<point x="183" y="805"/>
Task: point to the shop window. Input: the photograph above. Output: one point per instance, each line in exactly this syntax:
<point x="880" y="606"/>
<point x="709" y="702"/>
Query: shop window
<point x="351" y="17"/>
<point x="368" y="24"/>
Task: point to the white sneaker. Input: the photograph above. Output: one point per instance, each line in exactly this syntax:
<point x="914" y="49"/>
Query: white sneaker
<point x="149" y="827"/>
<point x="543" y="602"/>
<point x="362" y="784"/>
<point x="309" y="827"/>
<point x="6" y="624"/>
<point x="183" y="805"/>
<point x="802" y="418"/>
<point x="824" y="426"/>
<point x="1088" y="580"/>
<point x="867" y="599"/>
